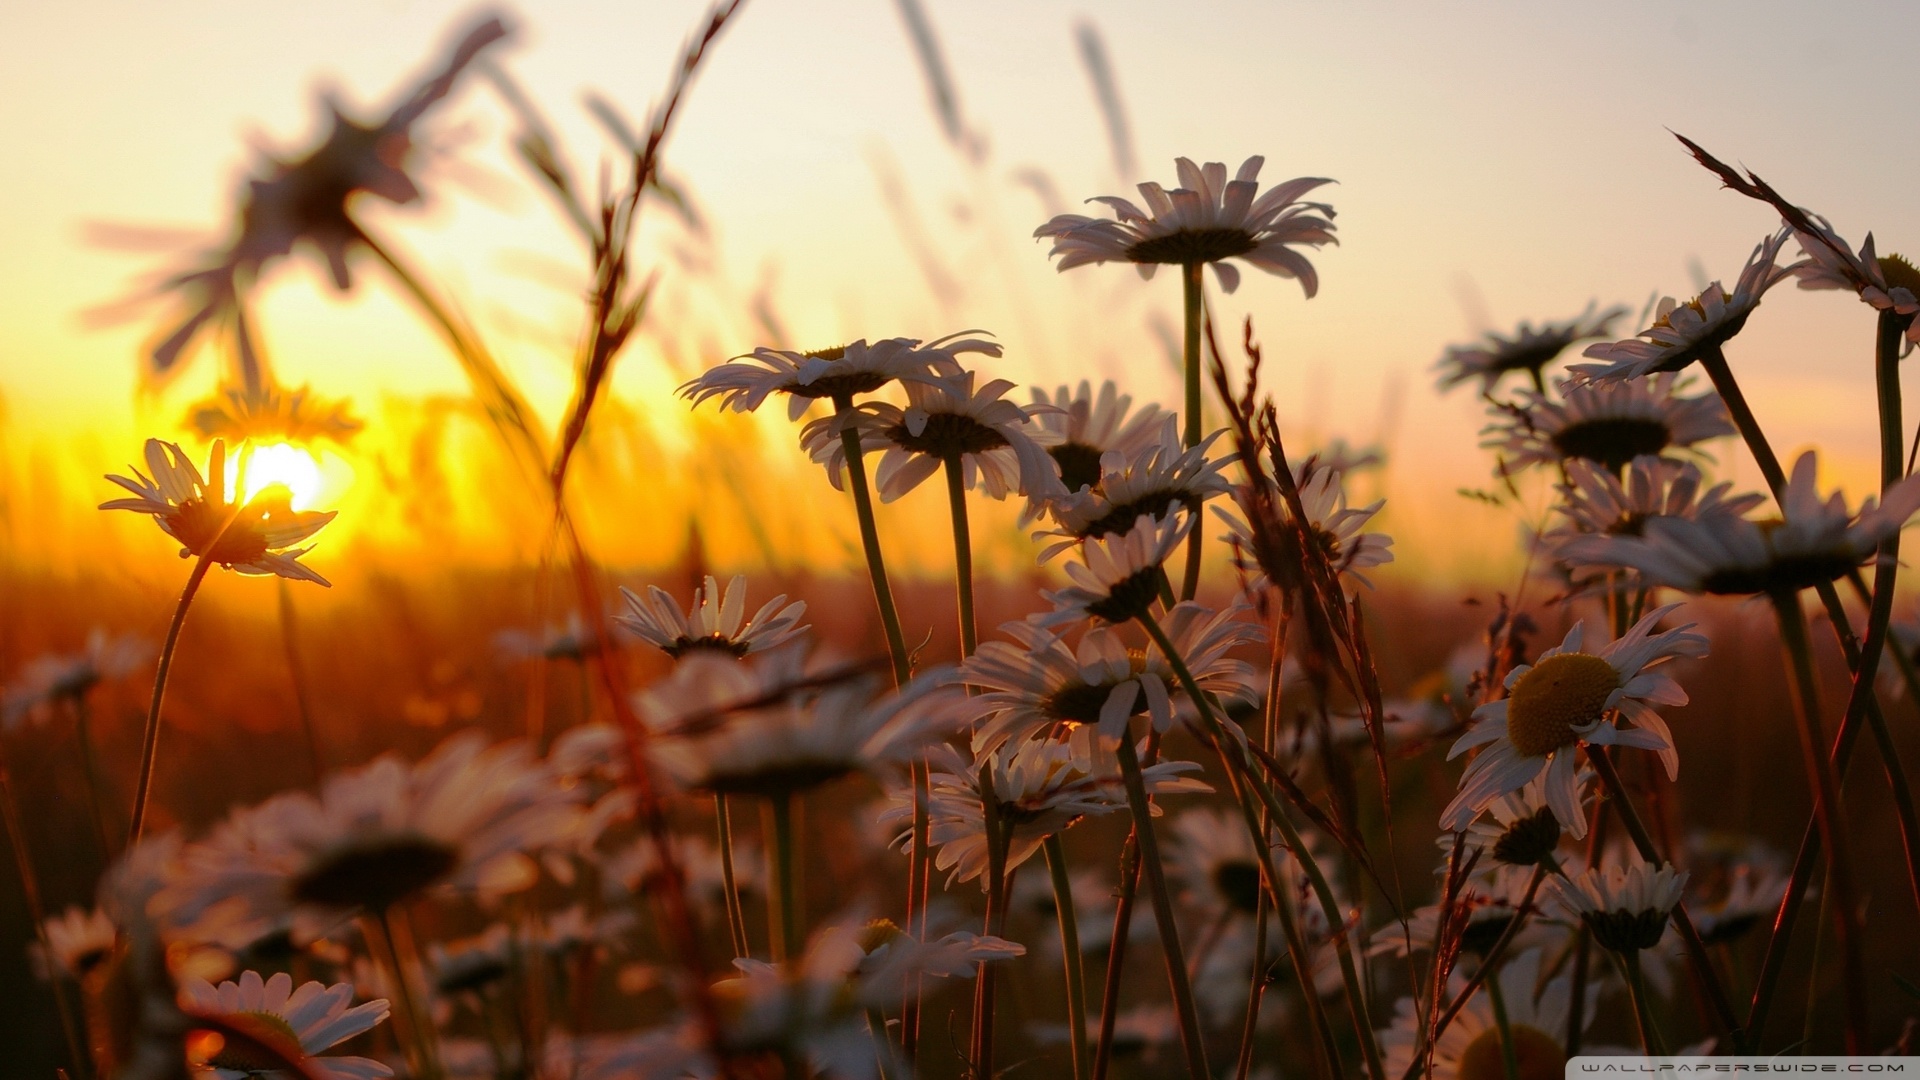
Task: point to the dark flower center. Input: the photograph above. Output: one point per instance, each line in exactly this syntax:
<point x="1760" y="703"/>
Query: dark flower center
<point x="1129" y="597"/>
<point x="196" y="523"/>
<point x="1120" y="519"/>
<point x="1626" y="931"/>
<point x="779" y="779"/>
<point x="1789" y="573"/>
<point x="1485" y="928"/>
<point x="1079" y="464"/>
<point x="719" y="643"/>
<point x="1189" y="246"/>
<point x="1530" y="357"/>
<point x="839" y="386"/>
<point x="1613" y="441"/>
<point x="1080" y="703"/>
<point x="947" y="435"/>
<point x="1530" y="840"/>
<point x="1239" y="884"/>
<point x="375" y="874"/>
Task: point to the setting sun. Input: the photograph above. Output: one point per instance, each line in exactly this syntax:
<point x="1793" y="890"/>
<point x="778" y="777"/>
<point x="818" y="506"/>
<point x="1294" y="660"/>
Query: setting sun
<point x="257" y="468"/>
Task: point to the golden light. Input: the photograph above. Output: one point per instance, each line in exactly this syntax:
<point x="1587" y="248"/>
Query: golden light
<point x="290" y="466"/>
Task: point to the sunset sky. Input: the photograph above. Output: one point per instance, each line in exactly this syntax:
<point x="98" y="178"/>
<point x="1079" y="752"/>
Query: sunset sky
<point x="1495" y="162"/>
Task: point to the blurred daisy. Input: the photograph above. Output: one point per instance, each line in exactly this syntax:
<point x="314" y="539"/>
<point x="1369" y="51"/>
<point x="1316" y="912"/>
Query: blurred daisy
<point x="729" y="728"/>
<point x="893" y="961"/>
<point x="1527" y="351"/>
<point x="1213" y="857"/>
<point x="256" y="537"/>
<point x="1563" y="700"/>
<point x="1334" y="526"/>
<point x="79" y="940"/>
<point x="570" y="640"/>
<point x="1813" y="542"/>
<point x="1120" y="577"/>
<point x="1470" y="1048"/>
<point x="1751" y="895"/>
<point x="1596" y="501"/>
<point x="51" y="678"/>
<point x="1888" y="283"/>
<point x="716" y="620"/>
<point x="1207" y="219"/>
<point x="948" y="419"/>
<point x="290" y="1023"/>
<point x="744" y="383"/>
<point x="1035" y="682"/>
<point x="1081" y="426"/>
<point x="634" y="869"/>
<point x="469" y="818"/>
<point x="266" y="414"/>
<point x="1626" y="908"/>
<point x="1682" y="333"/>
<point x="1038" y="787"/>
<point x="1161" y="478"/>
<point x="1489" y="905"/>
<point x="1608" y="423"/>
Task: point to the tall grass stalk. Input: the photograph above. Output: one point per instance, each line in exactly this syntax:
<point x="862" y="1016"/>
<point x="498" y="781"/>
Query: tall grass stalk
<point x="736" y="915"/>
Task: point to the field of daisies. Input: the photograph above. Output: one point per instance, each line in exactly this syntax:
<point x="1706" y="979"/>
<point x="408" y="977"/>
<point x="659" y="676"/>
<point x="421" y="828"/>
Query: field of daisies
<point x="1202" y="802"/>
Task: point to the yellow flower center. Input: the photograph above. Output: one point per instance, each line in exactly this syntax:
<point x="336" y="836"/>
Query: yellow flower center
<point x="271" y="1046"/>
<point x="1537" y="1054"/>
<point x="1554" y="699"/>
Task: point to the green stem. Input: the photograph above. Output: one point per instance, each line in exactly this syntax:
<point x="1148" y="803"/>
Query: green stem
<point x="962" y="552"/>
<point x="1642" y="1015"/>
<point x="783" y="913"/>
<point x="736" y="915"/>
<point x="1715" y="362"/>
<point x="36" y="910"/>
<point x="1185" y="1010"/>
<point x="1193" y="296"/>
<point x="1826" y="808"/>
<point x="150" y="741"/>
<point x="870" y="542"/>
<point x="1070" y="948"/>
<point x="1509" y="1061"/>
<point x="1329" y="904"/>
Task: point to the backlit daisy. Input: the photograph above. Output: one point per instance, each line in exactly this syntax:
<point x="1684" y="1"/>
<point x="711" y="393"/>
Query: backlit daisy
<point x="55" y="677"/>
<point x="1815" y="541"/>
<point x="1120" y="576"/>
<point x="1470" y="1048"/>
<point x="79" y="939"/>
<point x="1608" y="423"/>
<point x="1594" y="500"/>
<point x="1682" y="332"/>
<point x="469" y="818"/>
<point x="716" y="620"/>
<point x="255" y="537"/>
<point x="267" y="414"/>
<point x="297" y="1023"/>
<point x="1207" y="219"/>
<point x="1565" y="699"/>
<point x="1081" y="426"/>
<point x="1159" y="479"/>
<point x="1884" y="283"/>
<point x="1528" y="350"/>
<point x="1334" y="526"/>
<point x="998" y="449"/>
<point x="1520" y="828"/>
<point x="1626" y="908"/>
<point x="838" y="373"/>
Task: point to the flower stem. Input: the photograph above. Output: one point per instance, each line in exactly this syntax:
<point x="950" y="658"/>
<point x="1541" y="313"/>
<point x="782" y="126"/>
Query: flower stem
<point x="1184" y="1009"/>
<point x="391" y="942"/>
<point x="36" y="910"/>
<point x="736" y="916"/>
<point x="1193" y="305"/>
<point x="289" y="641"/>
<point x="1715" y="361"/>
<point x="998" y="836"/>
<point x="783" y="913"/>
<point x="150" y="742"/>
<point x="1826" y="809"/>
<point x="962" y="552"/>
<point x="1070" y="948"/>
<point x="1508" y="1060"/>
<point x="1117" y="944"/>
<point x="1642" y="1015"/>
<point x="870" y="542"/>
<point x="83" y="735"/>
<point x="1487" y="964"/>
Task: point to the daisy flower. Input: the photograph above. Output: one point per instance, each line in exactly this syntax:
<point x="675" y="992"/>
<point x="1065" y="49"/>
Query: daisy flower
<point x="266" y="414"/>
<point x="1334" y="526"/>
<point x="55" y="677"/>
<point x="1884" y="283"/>
<point x="1162" y="477"/>
<point x="1528" y="350"/>
<point x="291" y="1023"/>
<point x="1119" y="577"/>
<point x="1036" y="682"/>
<point x="1626" y="908"/>
<point x="1080" y="427"/>
<point x="1212" y="855"/>
<point x="1814" y="541"/>
<point x="716" y="620"/>
<point x="999" y="451"/>
<point x="1489" y="904"/>
<point x="1207" y="219"/>
<point x="838" y="373"/>
<point x="79" y="940"/>
<point x="1595" y="500"/>
<point x="1750" y="896"/>
<point x="570" y="640"/>
<point x="1470" y="1048"/>
<point x="1563" y="700"/>
<point x="469" y="817"/>
<point x="735" y="729"/>
<point x="1039" y="787"/>
<point x="1682" y="333"/>
<point x="893" y="961"/>
<point x="255" y="537"/>
<point x="1608" y="423"/>
<point x="1521" y="828"/>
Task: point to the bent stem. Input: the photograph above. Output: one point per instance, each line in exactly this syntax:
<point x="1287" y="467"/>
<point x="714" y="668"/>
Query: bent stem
<point x="36" y="910"/>
<point x="962" y="552"/>
<point x="150" y="741"/>
<point x="1070" y="949"/>
<point x="1826" y="809"/>
<point x="783" y="911"/>
<point x="736" y="915"/>
<point x="1185" y="1010"/>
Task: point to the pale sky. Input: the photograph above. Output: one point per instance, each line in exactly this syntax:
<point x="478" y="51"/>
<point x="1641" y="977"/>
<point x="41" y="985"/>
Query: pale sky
<point x="1496" y="161"/>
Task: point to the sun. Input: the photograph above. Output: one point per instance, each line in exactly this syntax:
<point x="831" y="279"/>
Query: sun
<point x="259" y="467"/>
